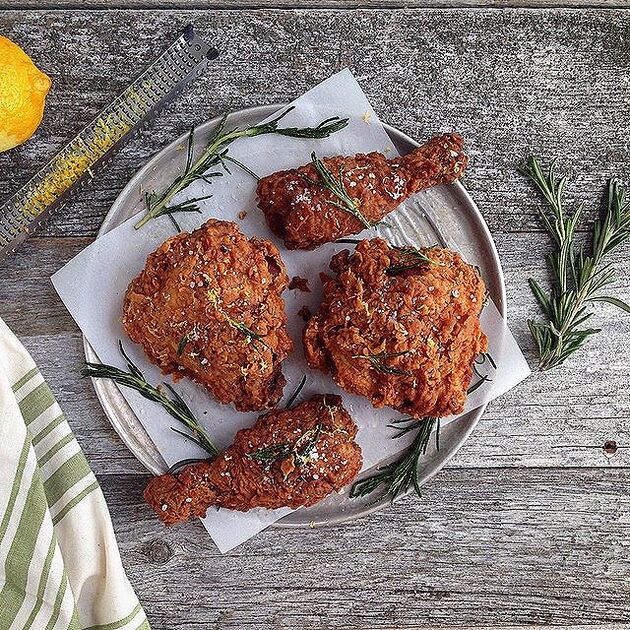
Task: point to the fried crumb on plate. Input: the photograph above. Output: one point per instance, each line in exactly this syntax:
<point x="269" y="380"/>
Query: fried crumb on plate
<point x="299" y="283"/>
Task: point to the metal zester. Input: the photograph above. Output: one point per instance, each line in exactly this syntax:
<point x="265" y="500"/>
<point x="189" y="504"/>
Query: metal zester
<point x="92" y="148"/>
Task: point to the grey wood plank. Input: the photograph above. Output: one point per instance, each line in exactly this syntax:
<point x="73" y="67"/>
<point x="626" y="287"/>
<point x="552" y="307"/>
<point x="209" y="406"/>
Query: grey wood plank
<point x="482" y="547"/>
<point x="513" y="82"/>
<point x="546" y="421"/>
<point x="307" y="4"/>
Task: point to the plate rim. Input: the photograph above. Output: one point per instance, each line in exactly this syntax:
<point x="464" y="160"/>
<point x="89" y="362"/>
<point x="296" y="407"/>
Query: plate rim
<point x="154" y="462"/>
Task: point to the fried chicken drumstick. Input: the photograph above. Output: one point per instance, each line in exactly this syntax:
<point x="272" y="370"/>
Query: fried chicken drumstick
<point x="207" y="305"/>
<point x="399" y="326"/>
<point x="289" y="458"/>
<point x="303" y="212"/>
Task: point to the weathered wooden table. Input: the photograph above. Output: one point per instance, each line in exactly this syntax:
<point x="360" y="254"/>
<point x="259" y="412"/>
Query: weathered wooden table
<point x="526" y="526"/>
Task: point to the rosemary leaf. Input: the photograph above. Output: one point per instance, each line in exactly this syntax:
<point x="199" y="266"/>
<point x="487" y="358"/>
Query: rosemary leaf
<point x="378" y="362"/>
<point x="404" y="426"/>
<point x="301" y="451"/>
<point x="336" y="186"/>
<point x="192" y="438"/>
<point x="253" y="336"/>
<point x="296" y="392"/>
<point x="483" y="378"/>
<point x="412" y="258"/>
<point x="270" y="453"/>
<point x="183" y="342"/>
<point x="244" y="167"/>
<point x="182" y="462"/>
<point x="611" y="300"/>
<point x="323" y="130"/>
<point x="577" y="277"/>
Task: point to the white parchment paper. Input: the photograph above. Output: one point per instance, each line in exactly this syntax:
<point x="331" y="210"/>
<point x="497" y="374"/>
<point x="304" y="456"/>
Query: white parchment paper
<point x="92" y="286"/>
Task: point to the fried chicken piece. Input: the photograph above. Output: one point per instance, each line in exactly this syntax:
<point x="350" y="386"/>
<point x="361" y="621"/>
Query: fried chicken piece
<point x="289" y="458"/>
<point x="399" y="326"/>
<point x="207" y="305"/>
<point x="305" y="214"/>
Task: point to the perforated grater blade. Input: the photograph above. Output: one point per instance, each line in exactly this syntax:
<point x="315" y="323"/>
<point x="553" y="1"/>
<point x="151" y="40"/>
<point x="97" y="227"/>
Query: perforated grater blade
<point x="92" y="148"/>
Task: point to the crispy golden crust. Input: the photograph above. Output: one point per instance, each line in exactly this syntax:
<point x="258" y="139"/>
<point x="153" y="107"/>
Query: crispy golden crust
<point x="422" y="321"/>
<point x="187" y="305"/>
<point x="299" y="210"/>
<point x="289" y="458"/>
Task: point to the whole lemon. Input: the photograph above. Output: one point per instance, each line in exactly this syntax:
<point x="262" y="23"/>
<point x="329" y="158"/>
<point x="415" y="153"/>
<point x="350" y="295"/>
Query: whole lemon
<point x="23" y="90"/>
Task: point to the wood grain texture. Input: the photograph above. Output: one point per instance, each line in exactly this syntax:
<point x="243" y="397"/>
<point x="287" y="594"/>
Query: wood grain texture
<point x="482" y="547"/>
<point x="307" y="4"/>
<point x="514" y="82"/>
<point x="525" y="528"/>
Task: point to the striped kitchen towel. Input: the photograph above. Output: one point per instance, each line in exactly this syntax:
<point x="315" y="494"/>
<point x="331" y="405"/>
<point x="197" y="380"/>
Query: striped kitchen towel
<point x="60" y="566"/>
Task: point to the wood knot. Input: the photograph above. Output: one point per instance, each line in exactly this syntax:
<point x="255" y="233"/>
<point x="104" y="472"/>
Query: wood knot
<point x="159" y="551"/>
<point x="610" y="448"/>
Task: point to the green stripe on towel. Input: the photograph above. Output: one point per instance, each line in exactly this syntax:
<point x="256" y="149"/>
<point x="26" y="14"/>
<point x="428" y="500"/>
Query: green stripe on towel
<point x="25" y="379"/>
<point x="53" y="450"/>
<point x="75" y="501"/>
<point x="18" y="561"/>
<point x="36" y="402"/>
<point x="15" y="488"/>
<point x="58" y="601"/>
<point x="51" y="426"/>
<point x="43" y="581"/>
<point x="65" y="477"/>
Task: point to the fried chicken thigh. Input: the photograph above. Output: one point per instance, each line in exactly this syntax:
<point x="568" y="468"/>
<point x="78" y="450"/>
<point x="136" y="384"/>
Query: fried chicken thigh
<point x="399" y="326"/>
<point x="207" y="305"/>
<point x="306" y="214"/>
<point x="289" y="458"/>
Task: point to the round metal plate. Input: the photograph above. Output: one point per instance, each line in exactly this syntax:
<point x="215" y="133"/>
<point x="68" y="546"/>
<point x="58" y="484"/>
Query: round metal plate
<point x="445" y="213"/>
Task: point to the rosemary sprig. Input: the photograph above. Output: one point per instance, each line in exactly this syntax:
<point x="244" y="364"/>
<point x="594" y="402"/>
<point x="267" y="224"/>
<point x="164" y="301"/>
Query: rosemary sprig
<point x="577" y="278"/>
<point x="175" y="406"/>
<point x="336" y="186"/>
<point x="301" y="451"/>
<point x="413" y="258"/>
<point x="378" y="362"/>
<point x="252" y="335"/>
<point x="400" y="476"/>
<point x="270" y="454"/>
<point x="216" y="154"/>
